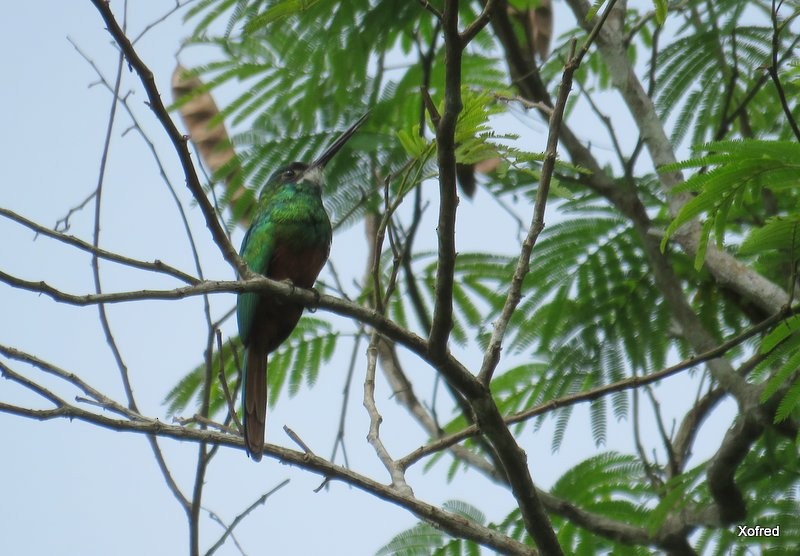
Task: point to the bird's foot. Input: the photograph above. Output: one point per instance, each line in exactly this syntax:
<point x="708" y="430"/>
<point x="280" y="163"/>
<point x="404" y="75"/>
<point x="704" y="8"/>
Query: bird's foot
<point x="288" y="282"/>
<point x="312" y="308"/>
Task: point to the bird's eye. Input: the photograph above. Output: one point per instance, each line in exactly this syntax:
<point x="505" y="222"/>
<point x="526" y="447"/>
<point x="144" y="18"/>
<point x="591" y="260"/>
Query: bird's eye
<point x="288" y="174"/>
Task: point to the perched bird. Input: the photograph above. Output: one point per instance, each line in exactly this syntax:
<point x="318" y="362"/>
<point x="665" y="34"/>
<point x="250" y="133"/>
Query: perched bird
<point x="289" y="239"/>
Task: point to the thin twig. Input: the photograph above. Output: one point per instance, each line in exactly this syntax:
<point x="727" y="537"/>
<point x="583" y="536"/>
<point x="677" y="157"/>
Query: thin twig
<point x="649" y="467"/>
<point x="150" y="26"/>
<point x="160" y="460"/>
<point x="478" y="24"/>
<point x="223" y="382"/>
<point x="528" y="104"/>
<point x="104" y="322"/>
<point x="427" y="5"/>
<point x="339" y="441"/>
<point x="10" y="374"/>
<point x="179" y="141"/>
<point x="773" y="69"/>
<point x="63" y="223"/>
<point x="442" y="322"/>
<point x="666" y="439"/>
<point x="449" y="522"/>
<point x="595" y="393"/>
<point x="155" y="266"/>
<point x="396" y="472"/>
<point x="492" y="355"/>
<point x="222" y="524"/>
<point x="204" y="422"/>
<point x="297" y="440"/>
<point x="238" y="519"/>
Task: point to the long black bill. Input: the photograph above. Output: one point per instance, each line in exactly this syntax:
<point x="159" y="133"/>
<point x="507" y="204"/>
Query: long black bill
<point x="338" y="144"/>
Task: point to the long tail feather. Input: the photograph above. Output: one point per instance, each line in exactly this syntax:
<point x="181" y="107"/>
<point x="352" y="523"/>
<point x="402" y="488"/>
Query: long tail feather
<point x="254" y="400"/>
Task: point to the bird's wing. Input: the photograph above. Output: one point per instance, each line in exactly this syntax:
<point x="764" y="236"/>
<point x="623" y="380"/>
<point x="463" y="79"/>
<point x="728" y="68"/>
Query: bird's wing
<point x="257" y="250"/>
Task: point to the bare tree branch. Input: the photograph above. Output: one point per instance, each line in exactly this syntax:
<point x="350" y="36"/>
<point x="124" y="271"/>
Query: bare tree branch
<point x="492" y="355"/>
<point x="723" y="466"/>
<point x="238" y="519"/>
<point x="339" y="441"/>
<point x="448" y="199"/>
<point x="396" y="472"/>
<point x="777" y="27"/>
<point x="453" y="524"/>
<point x="155" y="266"/>
<point x="224" y="385"/>
<point x="728" y="271"/>
<point x="180" y="142"/>
<point x="102" y="400"/>
<point x="629" y="383"/>
<point x="155" y="23"/>
<point x="478" y="24"/>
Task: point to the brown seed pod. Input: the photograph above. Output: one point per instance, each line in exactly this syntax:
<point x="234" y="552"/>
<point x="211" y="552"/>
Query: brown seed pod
<point x="211" y="140"/>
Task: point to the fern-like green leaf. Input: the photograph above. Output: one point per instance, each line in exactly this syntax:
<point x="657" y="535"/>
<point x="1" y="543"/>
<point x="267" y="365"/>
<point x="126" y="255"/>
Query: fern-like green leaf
<point x="743" y="166"/>
<point x="423" y="539"/>
<point x="779" y="233"/>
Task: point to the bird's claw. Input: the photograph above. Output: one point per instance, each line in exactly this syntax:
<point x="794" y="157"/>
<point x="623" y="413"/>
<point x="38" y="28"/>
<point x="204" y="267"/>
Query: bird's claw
<point x="288" y="282"/>
<point x="317" y="298"/>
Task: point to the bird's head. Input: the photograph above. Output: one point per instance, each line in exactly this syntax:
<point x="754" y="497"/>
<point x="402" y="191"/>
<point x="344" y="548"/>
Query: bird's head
<point x="298" y="172"/>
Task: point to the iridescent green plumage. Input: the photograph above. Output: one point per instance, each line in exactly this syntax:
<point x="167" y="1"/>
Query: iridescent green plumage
<point x="289" y="239"/>
<point x="290" y="221"/>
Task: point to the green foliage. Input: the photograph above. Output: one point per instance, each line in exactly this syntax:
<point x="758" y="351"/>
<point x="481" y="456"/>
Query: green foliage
<point x="713" y="63"/>
<point x="592" y="312"/>
<point x="769" y="482"/>
<point x="602" y="478"/>
<point x="609" y="484"/>
<point x="679" y="494"/>
<point x="424" y="540"/>
<point x="731" y="191"/>
<point x="661" y="10"/>
<point x="577" y="314"/>
<point x="782" y="345"/>
<point x="731" y="194"/>
<point x="297" y="361"/>
<point x="291" y="58"/>
<point x="777" y="233"/>
<point x="188" y="391"/>
<point x="280" y="10"/>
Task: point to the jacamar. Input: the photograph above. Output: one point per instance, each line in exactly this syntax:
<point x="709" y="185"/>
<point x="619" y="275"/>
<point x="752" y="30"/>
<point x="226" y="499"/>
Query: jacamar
<point x="289" y="239"/>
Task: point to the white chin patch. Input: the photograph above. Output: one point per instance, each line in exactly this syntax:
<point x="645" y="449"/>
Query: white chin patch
<point x="313" y="175"/>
